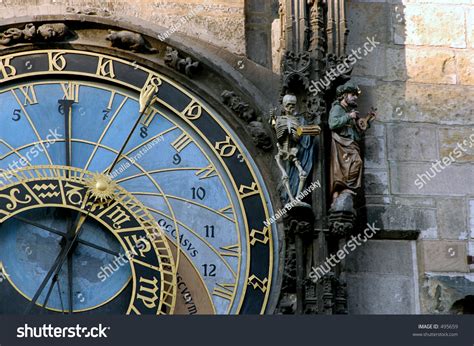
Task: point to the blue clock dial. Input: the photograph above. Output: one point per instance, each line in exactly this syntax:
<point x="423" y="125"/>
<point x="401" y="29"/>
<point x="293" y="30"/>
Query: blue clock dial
<point x="165" y="166"/>
<point x="68" y="144"/>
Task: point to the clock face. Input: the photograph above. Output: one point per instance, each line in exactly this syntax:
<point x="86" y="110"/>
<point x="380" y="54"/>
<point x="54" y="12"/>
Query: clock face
<point x="101" y="216"/>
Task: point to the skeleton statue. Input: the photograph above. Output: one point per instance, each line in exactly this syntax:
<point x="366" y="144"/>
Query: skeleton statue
<point x="289" y="128"/>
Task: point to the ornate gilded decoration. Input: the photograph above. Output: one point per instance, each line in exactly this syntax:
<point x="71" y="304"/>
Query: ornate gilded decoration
<point x="177" y="138"/>
<point x="101" y="187"/>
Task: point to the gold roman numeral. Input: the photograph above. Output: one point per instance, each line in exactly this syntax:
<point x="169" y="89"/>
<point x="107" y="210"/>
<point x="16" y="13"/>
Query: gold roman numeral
<point x="227" y="211"/>
<point x="29" y="94"/>
<point x="225" y="291"/>
<point x="111" y="100"/>
<point x="148" y="117"/>
<point x="181" y="142"/>
<point x="230" y="250"/>
<point x="71" y="91"/>
<point x="206" y="172"/>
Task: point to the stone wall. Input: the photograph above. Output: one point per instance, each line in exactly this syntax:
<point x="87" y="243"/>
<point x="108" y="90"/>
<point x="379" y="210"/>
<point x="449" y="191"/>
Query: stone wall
<point x="220" y="22"/>
<point x="421" y="79"/>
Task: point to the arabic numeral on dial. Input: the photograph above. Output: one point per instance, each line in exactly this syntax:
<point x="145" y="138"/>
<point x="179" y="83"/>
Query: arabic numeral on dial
<point x="16" y="115"/>
<point x="209" y="269"/>
<point x="209" y="231"/>
<point x="176" y="159"/>
<point x="144" y="132"/>
<point x="199" y="193"/>
<point x="106" y="114"/>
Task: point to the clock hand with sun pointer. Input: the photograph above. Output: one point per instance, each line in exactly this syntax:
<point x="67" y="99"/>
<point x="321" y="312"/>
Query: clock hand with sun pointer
<point x="146" y="99"/>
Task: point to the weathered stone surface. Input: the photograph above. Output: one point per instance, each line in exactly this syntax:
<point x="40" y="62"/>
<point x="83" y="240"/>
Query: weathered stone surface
<point x="470" y="27"/>
<point x="400" y="218"/>
<point x="471" y="217"/>
<point x="465" y="66"/>
<point x="376" y="129"/>
<point x="454" y="180"/>
<point x="407" y="143"/>
<point x="382" y="257"/>
<point x="380" y="278"/>
<point x="220" y="22"/>
<point x="438" y="293"/>
<point x="370" y="63"/>
<point x="445" y="2"/>
<point x="277" y="46"/>
<point x="460" y="138"/>
<point x="451" y="215"/>
<point x="380" y="294"/>
<point x="426" y="25"/>
<point x="442" y="256"/>
<point x="449" y="104"/>
<point x="430" y="65"/>
<point x="373" y="200"/>
<point x="374" y="153"/>
<point x="368" y="20"/>
<point x="423" y="202"/>
<point x="376" y="182"/>
<point x="396" y="65"/>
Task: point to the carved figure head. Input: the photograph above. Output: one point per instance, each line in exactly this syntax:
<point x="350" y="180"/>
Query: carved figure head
<point x="52" y="31"/>
<point x="112" y="36"/>
<point x="289" y="104"/>
<point x="349" y="92"/>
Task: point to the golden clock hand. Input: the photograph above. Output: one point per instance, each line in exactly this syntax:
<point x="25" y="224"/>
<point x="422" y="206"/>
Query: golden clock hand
<point x="146" y="98"/>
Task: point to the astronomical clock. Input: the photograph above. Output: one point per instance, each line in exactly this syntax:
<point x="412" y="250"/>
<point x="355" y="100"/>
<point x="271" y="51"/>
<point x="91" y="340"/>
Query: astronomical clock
<point x="123" y="191"/>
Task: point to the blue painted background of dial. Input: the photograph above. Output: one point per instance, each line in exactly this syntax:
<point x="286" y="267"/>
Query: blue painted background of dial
<point x="173" y="191"/>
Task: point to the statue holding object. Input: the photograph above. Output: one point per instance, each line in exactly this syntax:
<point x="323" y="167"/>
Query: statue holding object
<point x="347" y="129"/>
<point x="289" y="129"/>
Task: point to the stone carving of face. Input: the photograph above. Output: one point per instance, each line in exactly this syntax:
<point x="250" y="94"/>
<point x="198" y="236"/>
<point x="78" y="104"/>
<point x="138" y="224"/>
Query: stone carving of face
<point x="289" y="104"/>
